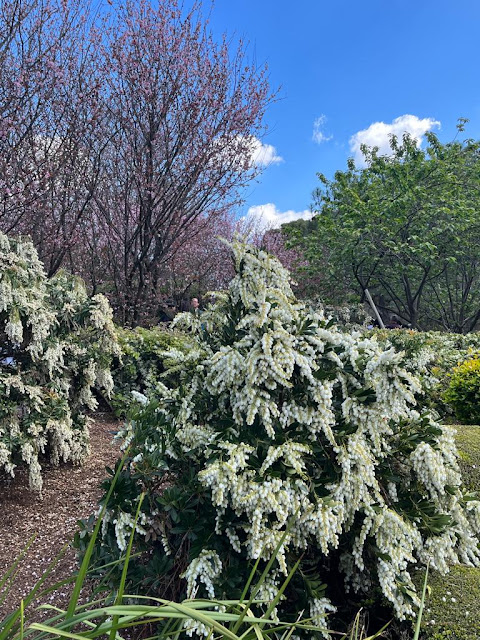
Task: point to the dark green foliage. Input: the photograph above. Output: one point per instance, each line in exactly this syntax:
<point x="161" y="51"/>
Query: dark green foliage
<point x="143" y="362"/>
<point x="407" y="227"/>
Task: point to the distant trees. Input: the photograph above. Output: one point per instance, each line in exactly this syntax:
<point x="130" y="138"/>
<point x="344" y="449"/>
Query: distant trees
<point x="122" y="140"/>
<point x="200" y="263"/>
<point x="407" y="227"/>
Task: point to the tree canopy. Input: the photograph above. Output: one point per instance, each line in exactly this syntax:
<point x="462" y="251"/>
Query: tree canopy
<point x="405" y="226"/>
<point x="122" y="137"/>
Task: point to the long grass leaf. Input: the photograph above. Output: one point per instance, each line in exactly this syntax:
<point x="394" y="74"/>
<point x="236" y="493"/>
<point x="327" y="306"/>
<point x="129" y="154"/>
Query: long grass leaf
<point x="22" y="619"/>
<point x="262" y="578"/>
<point x="250" y="579"/>
<point x="54" y="631"/>
<point x="9" y="575"/>
<point x="72" y="578"/>
<point x="256" y="629"/>
<point x="89" y="550"/>
<point x="379" y="632"/>
<point x="10" y="624"/>
<point x="422" y="606"/>
<point x="276" y="600"/>
<point x="123" y="579"/>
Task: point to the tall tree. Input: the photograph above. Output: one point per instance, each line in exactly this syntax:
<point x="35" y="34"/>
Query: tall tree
<point x="49" y="113"/>
<point x="405" y="227"/>
<point x="184" y="113"/>
<point x="122" y="138"/>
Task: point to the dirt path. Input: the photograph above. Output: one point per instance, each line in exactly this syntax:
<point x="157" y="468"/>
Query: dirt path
<point x="69" y="494"/>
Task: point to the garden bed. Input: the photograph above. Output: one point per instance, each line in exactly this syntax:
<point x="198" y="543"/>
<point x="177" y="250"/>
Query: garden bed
<point x="71" y="493"/>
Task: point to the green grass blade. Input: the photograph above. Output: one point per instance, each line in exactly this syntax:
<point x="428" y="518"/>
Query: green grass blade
<point x="132" y="612"/>
<point x="253" y="627"/>
<point x="11" y="571"/>
<point x="422" y="606"/>
<point x="88" y="553"/>
<point x="10" y="623"/>
<point x="72" y="578"/>
<point x="197" y="603"/>
<point x="54" y="631"/>
<point x="123" y="579"/>
<point x="353" y="635"/>
<point x="250" y="580"/>
<point x="22" y="619"/>
<point x="276" y="600"/>
<point x="379" y="633"/>
<point x="355" y="631"/>
<point x="262" y="578"/>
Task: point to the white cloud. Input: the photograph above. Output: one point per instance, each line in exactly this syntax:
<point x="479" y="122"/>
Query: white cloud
<point x="318" y="135"/>
<point x="243" y="152"/>
<point x="262" y="217"/>
<point x="264" y="155"/>
<point x="378" y="133"/>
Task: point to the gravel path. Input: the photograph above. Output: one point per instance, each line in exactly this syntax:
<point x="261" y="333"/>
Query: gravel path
<point x="69" y="494"/>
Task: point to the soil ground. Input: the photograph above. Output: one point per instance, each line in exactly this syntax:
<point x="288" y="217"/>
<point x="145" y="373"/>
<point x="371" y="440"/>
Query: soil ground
<point x="69" y="494"/>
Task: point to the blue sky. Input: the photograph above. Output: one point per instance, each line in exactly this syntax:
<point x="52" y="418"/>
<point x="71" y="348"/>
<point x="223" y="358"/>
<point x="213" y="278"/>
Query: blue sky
<point x="350" y="65"/>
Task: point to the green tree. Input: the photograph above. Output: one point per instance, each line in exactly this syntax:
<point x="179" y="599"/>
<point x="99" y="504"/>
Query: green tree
<point x="407" y="227"/>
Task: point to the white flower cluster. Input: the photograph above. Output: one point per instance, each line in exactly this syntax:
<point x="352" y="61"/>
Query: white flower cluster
<point x="139" y="397"/>
<point x="124" y="523"/>
<point x="55" y="345"/>
<point x="319" y="609"/>
<point x="431" y="355"/>
<point x="317" y="424"/>
<point x="205" y="569"/>
<point x="435" y="468"/>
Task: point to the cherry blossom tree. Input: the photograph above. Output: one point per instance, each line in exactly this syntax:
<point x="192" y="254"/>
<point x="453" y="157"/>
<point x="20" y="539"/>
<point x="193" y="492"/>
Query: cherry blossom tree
<point x="123" y="139"/>
<point x="203" y="262"/>
<point x="49" y="112"/>
<point x="183" y="111"/>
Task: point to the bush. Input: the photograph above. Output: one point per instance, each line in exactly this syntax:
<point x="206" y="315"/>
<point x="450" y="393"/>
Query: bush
<point x="56" y="344"/>
<point x="288" y="438"/>
<point x="463" y="392"/>
<point x="349" y="317"/>
<point x="143" y="361"/>
<point x="431" y="356"/>
<point x="115" y="616"/>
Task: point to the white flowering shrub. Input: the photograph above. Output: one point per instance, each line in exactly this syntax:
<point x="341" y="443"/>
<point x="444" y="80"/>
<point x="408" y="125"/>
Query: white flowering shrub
<point x="432" y="355"/>
<point x="56" y="344"/>
<point x="351" y="317"/>
<point x="289" y="436"/>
